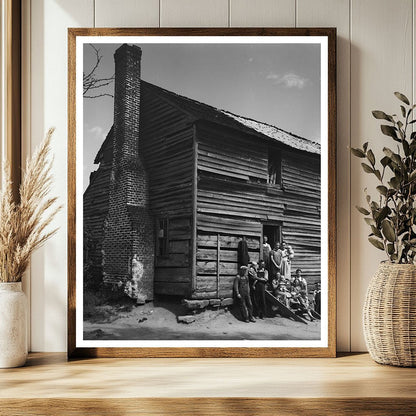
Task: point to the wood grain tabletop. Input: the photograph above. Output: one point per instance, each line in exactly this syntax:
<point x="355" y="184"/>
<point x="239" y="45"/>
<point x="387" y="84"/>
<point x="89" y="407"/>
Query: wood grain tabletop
<point x="349" y="384"/>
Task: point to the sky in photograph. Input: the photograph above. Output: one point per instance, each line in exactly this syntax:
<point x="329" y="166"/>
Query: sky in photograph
<point x="278" y="84"/>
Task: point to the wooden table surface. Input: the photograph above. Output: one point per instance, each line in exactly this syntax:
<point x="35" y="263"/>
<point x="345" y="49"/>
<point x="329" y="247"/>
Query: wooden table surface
<point x="350" y="384"/>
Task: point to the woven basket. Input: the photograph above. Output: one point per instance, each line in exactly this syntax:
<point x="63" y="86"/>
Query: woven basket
<point x="390" y="315"/>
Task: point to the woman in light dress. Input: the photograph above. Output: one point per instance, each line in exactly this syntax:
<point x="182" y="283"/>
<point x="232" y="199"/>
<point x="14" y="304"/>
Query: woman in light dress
<point x="287" y="256"/>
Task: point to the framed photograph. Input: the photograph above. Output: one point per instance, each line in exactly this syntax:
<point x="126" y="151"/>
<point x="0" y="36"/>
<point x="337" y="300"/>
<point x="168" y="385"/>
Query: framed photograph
<point x="201" y="199"/>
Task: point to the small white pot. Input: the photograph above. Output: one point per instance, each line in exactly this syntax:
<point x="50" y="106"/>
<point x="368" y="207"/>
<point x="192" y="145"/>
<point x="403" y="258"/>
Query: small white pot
<point x="13" y="325"/>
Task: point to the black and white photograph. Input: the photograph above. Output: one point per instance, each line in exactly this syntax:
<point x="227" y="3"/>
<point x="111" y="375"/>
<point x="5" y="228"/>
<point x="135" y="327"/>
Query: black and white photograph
<point x="202" y="194"/>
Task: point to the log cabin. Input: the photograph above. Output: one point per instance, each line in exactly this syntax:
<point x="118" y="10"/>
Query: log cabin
<point x="180" y="183"/>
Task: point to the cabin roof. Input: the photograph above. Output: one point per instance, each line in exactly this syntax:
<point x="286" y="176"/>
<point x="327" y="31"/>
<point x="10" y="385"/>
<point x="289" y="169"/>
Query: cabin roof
<point x="202" y="111"/>
<point x="206" y="112"/>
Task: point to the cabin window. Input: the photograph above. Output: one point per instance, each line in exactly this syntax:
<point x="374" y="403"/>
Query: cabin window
<point x="275" y="167"/>
<point x="162" y="237"/>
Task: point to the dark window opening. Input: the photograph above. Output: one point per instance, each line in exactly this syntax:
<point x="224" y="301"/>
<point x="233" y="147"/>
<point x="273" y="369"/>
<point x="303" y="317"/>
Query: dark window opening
<point x="163" y="237"/>
<point x="275" y="167"/>
<point x="273" y="232"/>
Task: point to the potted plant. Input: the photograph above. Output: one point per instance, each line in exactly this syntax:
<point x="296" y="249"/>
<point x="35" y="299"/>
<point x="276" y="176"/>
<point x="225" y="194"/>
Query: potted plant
<point x="23" y="229"/>
<point x="389" y="316"/>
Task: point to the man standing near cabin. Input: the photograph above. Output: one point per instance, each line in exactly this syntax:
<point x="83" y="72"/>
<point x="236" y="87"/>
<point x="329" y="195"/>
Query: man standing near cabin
<point x="253" y="279"/>
<point x="242" y="292"/>
<point x="317" y="298"/>
<point x="265" y="253"/>
<point x="275" y="261"/>
<point x="262" y="279"/>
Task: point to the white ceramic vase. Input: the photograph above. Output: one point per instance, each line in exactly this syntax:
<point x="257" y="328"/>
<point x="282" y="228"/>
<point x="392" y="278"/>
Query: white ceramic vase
<point x="13" y="325"/>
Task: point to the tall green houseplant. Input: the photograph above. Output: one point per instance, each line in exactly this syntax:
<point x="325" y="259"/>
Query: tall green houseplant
<point x="392" y="215"/>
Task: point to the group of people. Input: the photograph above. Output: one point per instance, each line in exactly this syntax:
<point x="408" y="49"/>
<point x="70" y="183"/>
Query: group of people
<point x="273" y="272"/>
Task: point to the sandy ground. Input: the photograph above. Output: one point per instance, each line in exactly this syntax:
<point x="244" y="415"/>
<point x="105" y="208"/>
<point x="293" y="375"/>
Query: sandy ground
<point x="158" y="321"/>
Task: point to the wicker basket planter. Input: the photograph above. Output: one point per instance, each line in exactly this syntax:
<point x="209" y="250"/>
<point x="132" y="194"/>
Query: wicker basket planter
<point x="390" y="315"/>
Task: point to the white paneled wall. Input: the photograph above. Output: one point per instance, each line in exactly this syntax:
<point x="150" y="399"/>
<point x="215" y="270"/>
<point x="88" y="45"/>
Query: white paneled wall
<point x="376" y="43"/>
<point x="130" y="13"/>
<point x="266" y="13"/>
<point x="194" y="13"/>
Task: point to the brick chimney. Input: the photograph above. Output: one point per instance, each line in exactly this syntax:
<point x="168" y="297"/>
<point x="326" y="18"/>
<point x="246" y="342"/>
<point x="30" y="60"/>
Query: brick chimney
<point x="128" y="246"/>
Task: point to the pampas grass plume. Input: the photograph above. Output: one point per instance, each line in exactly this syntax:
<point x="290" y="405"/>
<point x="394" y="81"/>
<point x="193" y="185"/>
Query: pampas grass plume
<point x="24" y="224"/>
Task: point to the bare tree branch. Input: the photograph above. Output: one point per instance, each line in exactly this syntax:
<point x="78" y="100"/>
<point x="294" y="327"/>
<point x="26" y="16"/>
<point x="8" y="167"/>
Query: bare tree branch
<point x="99" y="95"/>
<point x="91" y="81"/>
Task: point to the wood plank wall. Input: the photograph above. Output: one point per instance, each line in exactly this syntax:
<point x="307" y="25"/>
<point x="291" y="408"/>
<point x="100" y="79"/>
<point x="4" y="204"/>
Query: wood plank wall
<point x="375" y="53"/>
<point x="167" y="142"/>
<point x="234" y="200"/>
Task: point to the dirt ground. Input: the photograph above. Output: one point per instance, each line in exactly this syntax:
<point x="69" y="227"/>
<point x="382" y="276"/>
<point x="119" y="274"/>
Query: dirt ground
<point x="158" y="321"/>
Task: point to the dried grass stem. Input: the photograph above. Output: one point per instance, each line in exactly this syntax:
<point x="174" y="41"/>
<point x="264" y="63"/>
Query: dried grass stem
<point x="24" y="226"/>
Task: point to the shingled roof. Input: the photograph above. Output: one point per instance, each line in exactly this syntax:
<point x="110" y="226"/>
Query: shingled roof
<point x="201" y="111"/>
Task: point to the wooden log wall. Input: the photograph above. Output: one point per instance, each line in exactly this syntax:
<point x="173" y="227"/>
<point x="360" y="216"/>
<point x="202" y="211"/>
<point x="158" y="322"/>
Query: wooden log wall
<point x="234" y="199"/>
<point x="216" y="263"/>
<point x="301" y="226"/>
<point x="173" y="271"/>
<point x="167" y="145"/>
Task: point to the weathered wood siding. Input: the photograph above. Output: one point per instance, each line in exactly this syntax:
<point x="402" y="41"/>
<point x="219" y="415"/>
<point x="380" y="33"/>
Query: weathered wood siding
<point x="167" y="145"/>
<point x="216" y="263"/>
<point x="301" y="226"/>
<point x="234" y="199"/>
<point x="173" y="271"/>
<point x="95" y="209"/>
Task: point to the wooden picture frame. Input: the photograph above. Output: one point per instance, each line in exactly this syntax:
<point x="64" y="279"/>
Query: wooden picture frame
<point x="77" y="348"/>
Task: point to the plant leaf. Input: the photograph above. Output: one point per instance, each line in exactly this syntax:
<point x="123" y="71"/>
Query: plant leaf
<point x="385" y="160"/>
<point x="412" y="176"/>
<point x="367" y="169"/>
<point x="369" y="221"/>
<point x="374" y="205"/>
<point x="393" y="156"/>
<point x="381" y="115"/>
<point x="390" y="248"/>
<point x="376" y="231"/>
<point x="403" y="111"/>
<point x="382" y="214"/>
<point x="370" y="157"/>
<point x="394" y="182"/>
<point x="362" y="210"/>
<point x="365" y="145"/>
<point x="406" y="147"/>
<point x="382" y="189"/>
<point x="376" y="242"/>
<point x="357" y="152"/>
<point x="388" y="230"/>
<point x="389" y="131"/>
<point x="402" y="97"/>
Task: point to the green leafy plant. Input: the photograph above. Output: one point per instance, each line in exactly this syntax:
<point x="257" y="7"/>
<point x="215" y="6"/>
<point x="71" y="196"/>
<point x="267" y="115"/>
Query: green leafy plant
<point x="392" y="216"/>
